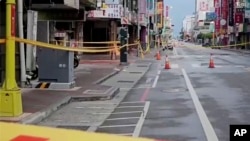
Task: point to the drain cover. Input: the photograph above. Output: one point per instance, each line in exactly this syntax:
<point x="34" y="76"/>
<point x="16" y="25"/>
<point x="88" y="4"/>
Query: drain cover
<point x="174" y="90"/>
<point x="83" y="128"/>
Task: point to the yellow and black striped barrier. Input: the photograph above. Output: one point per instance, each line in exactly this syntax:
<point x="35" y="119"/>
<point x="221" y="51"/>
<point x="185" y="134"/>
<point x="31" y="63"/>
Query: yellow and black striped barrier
<point x="43" y="85"/>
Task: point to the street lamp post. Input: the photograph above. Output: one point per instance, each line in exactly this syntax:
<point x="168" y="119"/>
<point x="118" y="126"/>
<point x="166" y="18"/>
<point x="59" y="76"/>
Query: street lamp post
<point x="213" y="42"/>
<point x="138" y="27"/>
<point x="10" y="94"/>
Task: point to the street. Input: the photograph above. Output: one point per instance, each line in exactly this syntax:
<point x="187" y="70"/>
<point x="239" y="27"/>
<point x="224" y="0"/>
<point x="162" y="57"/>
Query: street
<point x="190" y="102"/>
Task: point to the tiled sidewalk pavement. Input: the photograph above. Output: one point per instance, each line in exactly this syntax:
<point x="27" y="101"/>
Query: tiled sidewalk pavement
<point x="36" y="103"/>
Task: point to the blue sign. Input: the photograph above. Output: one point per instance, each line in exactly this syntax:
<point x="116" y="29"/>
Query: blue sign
<point x="211" y="16"/>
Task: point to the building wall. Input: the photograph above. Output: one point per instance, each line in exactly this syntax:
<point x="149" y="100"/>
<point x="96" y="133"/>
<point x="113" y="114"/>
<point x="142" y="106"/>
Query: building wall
<point x="188" y="23"/>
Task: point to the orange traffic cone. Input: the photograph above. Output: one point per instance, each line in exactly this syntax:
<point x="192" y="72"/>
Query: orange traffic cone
<point x="158" y="56"/>
<point x="211" y="62"/>
<point x="167" y="63"/>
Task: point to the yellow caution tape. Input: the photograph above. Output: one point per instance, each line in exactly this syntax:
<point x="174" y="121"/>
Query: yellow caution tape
<point x="106" y="42"/>
<point x="18" y="132"/>
<point x="225" y="46"/>
<point x="2" y="41"/>
<point x="51" y="46"/>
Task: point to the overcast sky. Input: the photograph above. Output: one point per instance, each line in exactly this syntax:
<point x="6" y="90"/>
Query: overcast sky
<point x="180" y="9"/>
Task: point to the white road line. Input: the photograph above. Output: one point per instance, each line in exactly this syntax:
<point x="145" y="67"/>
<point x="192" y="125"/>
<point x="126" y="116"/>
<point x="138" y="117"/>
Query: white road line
<point x="207" y="127"/>
<point x="148" y="80"/>
<point x="139" y="125"/>
<point x="159" y="72"/>
<point x="114" y="126"/>
<point x="156" y="79"/>
<point x="132" y="102"/>
<point x="123" y="118"/>
<point x="130" y="112"/>
<point x="93" y="108"/>
<point x="175" y="52"/>
<point x="129" y="106"/>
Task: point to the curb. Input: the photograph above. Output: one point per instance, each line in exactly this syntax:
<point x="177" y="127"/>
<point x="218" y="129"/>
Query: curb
<point x="39" y="116"/>
<point x="107" y="95"/>
<point x="99" y="81"/>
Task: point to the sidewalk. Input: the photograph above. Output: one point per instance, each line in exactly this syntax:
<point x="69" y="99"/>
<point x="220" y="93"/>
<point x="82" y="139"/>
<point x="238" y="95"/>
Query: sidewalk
<point x="36" y="103"/>
<point x="243" y="51"/>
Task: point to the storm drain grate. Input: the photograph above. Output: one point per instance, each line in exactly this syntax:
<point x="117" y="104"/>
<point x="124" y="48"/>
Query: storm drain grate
<point x="124" y="81"/>
<point x="94" y="91"/>
<point x="136" y="72"/>
<point x="174" y="90"/>
<point x="82" y="128"/>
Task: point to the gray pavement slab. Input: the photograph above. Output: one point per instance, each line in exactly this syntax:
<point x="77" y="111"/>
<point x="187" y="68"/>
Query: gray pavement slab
<point x="94" y="113"/>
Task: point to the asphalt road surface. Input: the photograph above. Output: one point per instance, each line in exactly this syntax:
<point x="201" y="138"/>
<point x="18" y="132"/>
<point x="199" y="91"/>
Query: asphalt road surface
<point x="189" y="102"/>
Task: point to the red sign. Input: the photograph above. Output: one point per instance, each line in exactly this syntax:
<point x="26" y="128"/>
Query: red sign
<point x="238" y="18"/>
<point x="13" y="20"/>
<point x="238" y="15"/>
<point x="29" y="138"/>
<point x="217" y="11"/>
<point x="224" y="12"/>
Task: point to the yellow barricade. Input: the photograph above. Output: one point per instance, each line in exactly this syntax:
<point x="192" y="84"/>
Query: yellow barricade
<point x="18" y="132"/>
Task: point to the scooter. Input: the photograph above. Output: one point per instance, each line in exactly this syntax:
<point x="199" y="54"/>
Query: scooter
<point x="76" y="60"/>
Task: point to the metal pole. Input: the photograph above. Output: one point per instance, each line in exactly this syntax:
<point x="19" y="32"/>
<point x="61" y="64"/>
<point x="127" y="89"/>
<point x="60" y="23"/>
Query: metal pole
<point x="10" y="90"/>
<point x="155" y="14"/>
<point x="22" y="54"/>
<point x="138" y="27"/>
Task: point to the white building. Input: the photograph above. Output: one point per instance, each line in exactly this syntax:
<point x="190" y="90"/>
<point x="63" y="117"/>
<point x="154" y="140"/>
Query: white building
<point x="202" y="7"/>
<point x="188" y="24"/>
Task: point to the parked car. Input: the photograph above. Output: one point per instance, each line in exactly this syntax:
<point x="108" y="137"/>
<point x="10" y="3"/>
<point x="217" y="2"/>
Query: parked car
<point x="169" y="46"/>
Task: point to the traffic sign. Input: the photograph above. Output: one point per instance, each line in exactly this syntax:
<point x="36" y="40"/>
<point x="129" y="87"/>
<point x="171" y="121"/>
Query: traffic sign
<point x="210" y="16"/>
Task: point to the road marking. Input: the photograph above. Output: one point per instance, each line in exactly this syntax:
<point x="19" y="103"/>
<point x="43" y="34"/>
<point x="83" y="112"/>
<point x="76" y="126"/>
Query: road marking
<point x="123" y="118"/>
<point x="139" y="125"/>
<point x="145" y="95"/>
<point x="93" y="108"/>
<point x="114" y="126"/>
<point x="133" y="102"/>
<point x="156" y="79"/>
<point x="175" y="52"/>
<point x="207" y="127"/>
<point x="148" y="80"/>
<point x="117" y="113"/>
<point x="159" y="72"/>
<point x="129" y="106"/>
<point x="174" y="66"/>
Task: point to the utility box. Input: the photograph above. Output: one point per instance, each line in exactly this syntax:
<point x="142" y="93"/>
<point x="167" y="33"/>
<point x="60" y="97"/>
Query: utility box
<point x="56" y="69"/>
